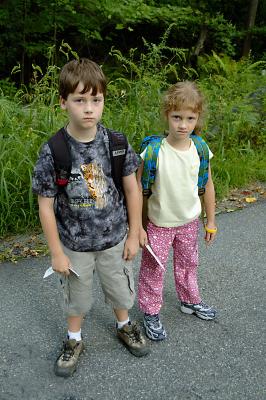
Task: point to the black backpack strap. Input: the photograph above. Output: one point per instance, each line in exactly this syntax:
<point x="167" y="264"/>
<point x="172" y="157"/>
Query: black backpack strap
<point x="118" y="146"/>
<point x="62" y="158"/>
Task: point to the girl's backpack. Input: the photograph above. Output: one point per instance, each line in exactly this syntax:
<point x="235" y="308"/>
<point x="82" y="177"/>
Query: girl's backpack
<point x="152" y="145"/>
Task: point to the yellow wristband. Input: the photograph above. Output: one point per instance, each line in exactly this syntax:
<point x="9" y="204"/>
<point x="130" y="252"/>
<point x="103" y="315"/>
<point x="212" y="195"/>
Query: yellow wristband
<point x="210" y="230"/>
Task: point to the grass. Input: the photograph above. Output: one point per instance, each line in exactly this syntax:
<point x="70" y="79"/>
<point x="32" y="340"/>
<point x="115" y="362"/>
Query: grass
<point x="235" y="127"/>
<point x="234" y="169"/>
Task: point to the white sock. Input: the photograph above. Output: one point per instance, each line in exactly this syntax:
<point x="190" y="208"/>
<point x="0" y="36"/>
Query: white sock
<point x="74" y="335"/>
<point x="120" y="324"/>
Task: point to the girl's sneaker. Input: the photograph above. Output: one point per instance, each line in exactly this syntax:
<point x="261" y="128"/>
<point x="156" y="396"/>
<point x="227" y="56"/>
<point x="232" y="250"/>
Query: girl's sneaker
<point x="153" y="327"/>
<point x="201" y="310"/>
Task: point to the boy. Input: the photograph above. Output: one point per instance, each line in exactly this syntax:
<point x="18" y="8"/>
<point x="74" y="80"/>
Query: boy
<point x="87" y="224"/>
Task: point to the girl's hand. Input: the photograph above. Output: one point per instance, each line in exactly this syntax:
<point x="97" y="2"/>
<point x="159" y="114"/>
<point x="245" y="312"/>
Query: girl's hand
<point x="143" y="240"/>
<point x="210" y="233"/>
<point x="61" y="264"/>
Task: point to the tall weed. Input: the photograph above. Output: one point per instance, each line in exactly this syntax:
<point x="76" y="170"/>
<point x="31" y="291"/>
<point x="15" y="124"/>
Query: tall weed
<point x="133" y="99"/>
<point x="236" y="93"/>
<point x="235" y="128"/>
<point x="235" y="168"/>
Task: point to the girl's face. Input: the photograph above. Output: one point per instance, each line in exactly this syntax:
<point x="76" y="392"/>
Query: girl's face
<point x="181" y="123"/>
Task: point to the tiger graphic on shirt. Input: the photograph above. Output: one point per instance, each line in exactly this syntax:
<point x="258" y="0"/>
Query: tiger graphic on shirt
<point x="95" y="182"/>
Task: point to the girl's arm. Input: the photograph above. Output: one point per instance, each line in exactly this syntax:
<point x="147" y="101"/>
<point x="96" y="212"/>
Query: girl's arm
<point x="60" y="262"/>
<point x="143" y="209"/>
<point x="209" y="205"/>
<point x="132" y="197"/>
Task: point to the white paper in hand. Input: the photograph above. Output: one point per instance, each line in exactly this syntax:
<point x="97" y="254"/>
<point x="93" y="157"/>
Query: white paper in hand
<point x="50" y="271"/>
<point x="148" y="247"/>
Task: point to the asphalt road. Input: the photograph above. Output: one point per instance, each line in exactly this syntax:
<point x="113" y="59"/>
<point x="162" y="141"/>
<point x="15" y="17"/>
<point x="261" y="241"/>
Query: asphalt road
<point x="209" y="360"/>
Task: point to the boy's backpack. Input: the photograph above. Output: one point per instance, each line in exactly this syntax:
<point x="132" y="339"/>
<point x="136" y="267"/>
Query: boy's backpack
<point x="59" y="147"/>
<point x="153" y="143"/>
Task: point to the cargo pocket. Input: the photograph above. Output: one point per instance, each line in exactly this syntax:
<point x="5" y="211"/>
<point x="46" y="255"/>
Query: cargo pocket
<point x="130" y="279"/>
<point x="64" y="283"/>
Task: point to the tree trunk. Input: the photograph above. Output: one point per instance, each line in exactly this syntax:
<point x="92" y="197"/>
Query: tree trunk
<point x="193" y="59"/>
<point x="253" y="5"/>
<point x="22" y="70"/>
<point x="201" y="40"/>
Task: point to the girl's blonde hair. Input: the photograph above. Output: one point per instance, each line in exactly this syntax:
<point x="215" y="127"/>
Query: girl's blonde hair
<point x="182" y="95"/>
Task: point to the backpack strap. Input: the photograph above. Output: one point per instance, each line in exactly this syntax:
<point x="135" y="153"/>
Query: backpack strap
<point x="62" y="159"/>
<point x="118" y="146"/>
<point x="152" y="145"/>
<point x="60" y="151"/>
<point x="204" y="156"/>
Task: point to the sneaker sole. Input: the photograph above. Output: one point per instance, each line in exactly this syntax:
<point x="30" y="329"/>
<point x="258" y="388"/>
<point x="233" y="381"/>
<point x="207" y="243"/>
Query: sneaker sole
<point x="64" y="373"/>
<point x="186" y="310"/>
<point x="150" y="335"/>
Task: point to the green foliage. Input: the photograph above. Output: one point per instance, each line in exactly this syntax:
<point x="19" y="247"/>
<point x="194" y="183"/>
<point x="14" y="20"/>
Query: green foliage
<point x="236" y="93"/>
<point x="237" y="96"/>
<point x="235" y="127"/>
<point x="29" y="27"/>
<point x="7" y="88"/>
<point x="133" y="99"/>
<point x="26" y="121"/>
<point x="15" y="165"/>
<point x="22" y="131"/>
<point x="236" y="168"/>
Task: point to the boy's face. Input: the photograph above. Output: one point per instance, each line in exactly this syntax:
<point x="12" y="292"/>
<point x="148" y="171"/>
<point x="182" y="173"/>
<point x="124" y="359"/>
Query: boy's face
<point x="181" y="123"/>
<point x="84" y="110"/>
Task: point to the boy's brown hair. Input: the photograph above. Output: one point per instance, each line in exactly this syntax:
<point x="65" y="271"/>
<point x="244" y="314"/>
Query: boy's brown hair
<point x="85" y="71"/>
<point x="182" y="95"/>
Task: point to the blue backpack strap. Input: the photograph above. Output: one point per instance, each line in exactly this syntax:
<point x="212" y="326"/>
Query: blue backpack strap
<point x="203" y="152"/>
<point x="152" y="145"/>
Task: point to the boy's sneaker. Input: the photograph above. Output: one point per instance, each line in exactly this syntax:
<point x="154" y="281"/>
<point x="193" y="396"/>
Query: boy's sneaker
<point x="133" y="339"/>
<point x="153" y="327"/>
<point x="66" y="363"/>
<point x="201" y="310"/>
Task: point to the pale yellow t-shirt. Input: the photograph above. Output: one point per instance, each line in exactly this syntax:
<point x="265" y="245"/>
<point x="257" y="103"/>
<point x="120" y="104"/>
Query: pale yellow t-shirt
<point x="174" y="200"/>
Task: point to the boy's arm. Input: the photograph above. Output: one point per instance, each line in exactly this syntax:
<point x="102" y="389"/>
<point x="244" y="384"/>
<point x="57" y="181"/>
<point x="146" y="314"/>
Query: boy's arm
<point x="143" y="209"/>
<point x="60" y="262"/>
<point x="132" y="197"/>
<point x="209" y="205"/>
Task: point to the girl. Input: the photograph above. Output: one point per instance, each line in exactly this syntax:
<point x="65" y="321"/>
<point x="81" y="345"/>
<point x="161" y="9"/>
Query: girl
<point x="173" y="211"/>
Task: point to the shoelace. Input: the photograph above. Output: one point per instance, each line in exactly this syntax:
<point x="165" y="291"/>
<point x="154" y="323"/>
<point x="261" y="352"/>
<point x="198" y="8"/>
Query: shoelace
<point x="135" y="334"/>
<point x="205" y="306"/>
<point x="154" y="319"/>
<point x="68" y="352"/>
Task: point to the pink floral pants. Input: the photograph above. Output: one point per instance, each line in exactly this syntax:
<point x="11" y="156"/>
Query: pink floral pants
<point x="184" y="240"/>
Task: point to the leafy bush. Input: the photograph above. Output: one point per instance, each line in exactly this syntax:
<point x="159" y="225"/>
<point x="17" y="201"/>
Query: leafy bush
<point x="133" y="99"/>
<point x="236" y="93"/>
<point x="235" y="128"/>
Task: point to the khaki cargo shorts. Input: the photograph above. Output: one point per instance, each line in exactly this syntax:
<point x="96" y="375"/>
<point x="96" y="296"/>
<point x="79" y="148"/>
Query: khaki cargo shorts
<point x="115" y="275"/>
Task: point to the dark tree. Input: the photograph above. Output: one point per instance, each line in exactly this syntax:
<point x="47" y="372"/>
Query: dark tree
<point x="253" y="6"/>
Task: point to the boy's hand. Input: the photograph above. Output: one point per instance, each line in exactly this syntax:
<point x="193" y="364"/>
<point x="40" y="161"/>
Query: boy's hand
<point x="143" y="239"/>
<point x="131" y="248"/>
<point x="210" y="233"/>
<point x="61" y="264"/>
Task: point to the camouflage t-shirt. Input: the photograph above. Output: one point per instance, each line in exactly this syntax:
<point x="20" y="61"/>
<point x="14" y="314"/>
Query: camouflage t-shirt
<point x="90" y="212"/>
